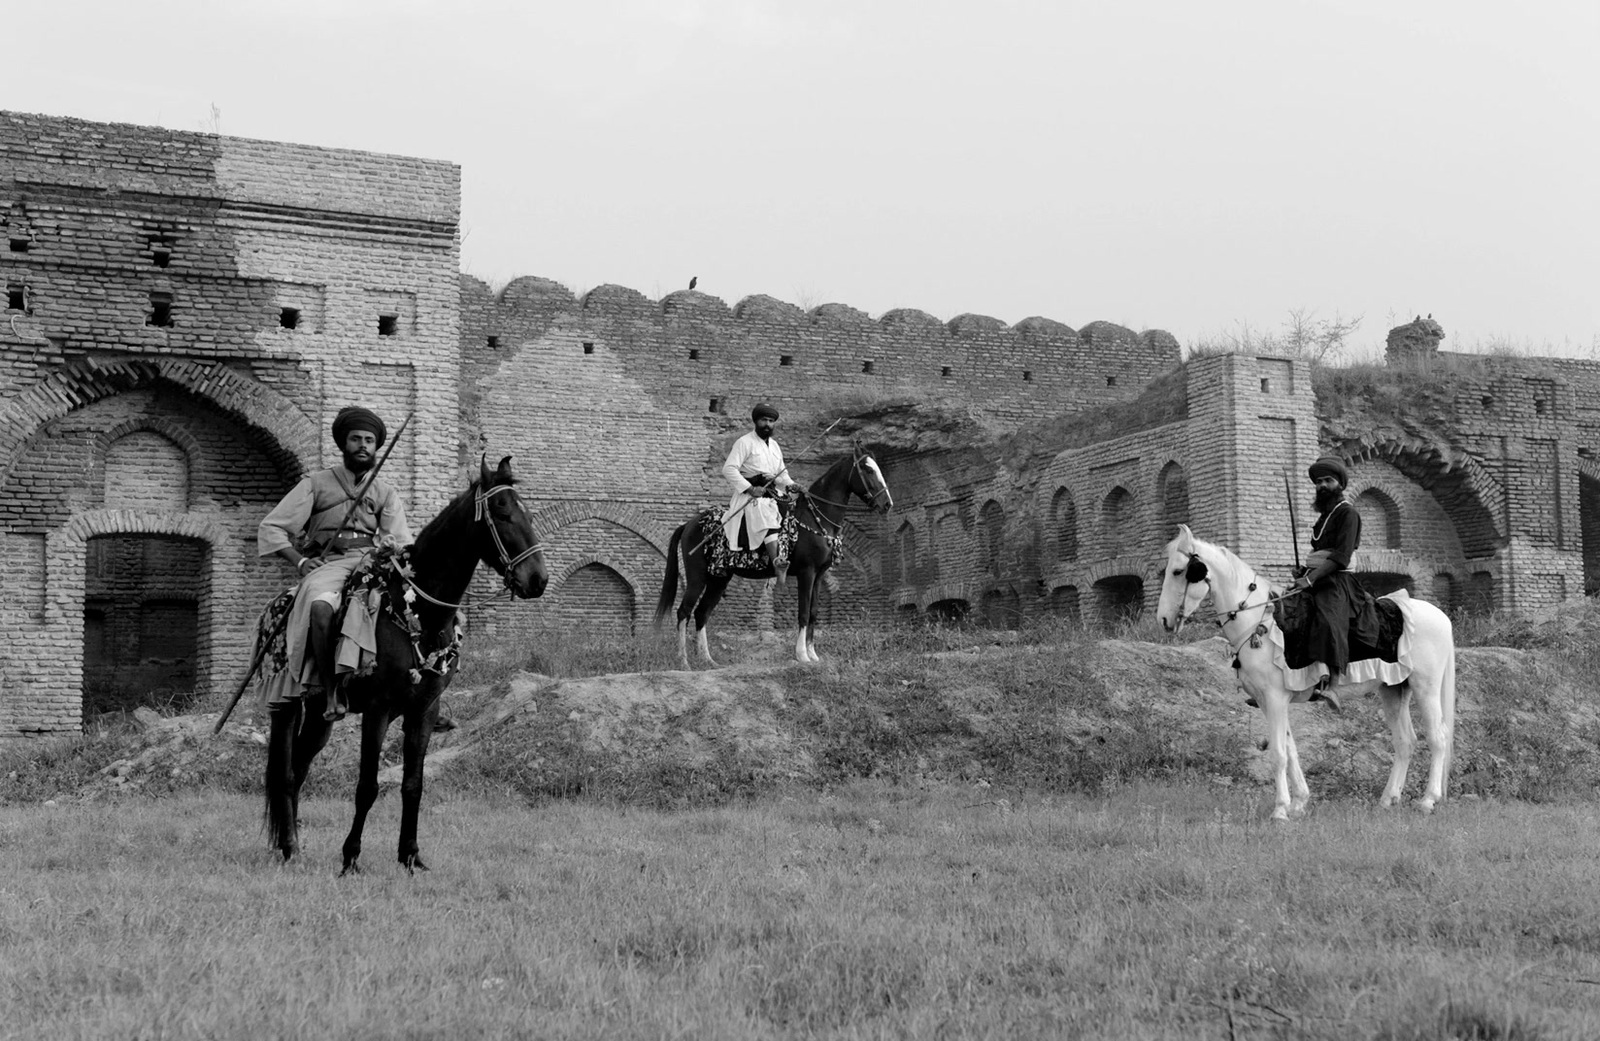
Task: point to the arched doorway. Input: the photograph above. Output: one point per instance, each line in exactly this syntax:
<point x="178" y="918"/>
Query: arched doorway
<point x="142" y="606"/>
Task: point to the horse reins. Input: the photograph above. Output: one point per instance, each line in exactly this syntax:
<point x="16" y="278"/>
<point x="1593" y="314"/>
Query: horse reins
<point x="480" y="511"/>
<point x="1262" y="627"/>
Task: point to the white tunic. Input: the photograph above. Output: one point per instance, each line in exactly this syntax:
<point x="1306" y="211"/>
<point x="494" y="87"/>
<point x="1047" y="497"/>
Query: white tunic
<point x="749" y="456"/>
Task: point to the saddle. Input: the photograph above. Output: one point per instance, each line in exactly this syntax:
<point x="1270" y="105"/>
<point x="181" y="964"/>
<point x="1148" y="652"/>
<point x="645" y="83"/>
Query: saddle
<point x="1293" y="615"/>
<point x="721" y="558"/>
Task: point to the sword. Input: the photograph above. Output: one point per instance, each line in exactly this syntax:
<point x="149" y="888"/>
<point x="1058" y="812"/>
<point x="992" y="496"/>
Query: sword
<point x="1294" y="529"/>
<point x="261" y="648"/>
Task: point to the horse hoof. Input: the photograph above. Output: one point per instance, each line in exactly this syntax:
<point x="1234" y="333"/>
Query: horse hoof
<point x="350" y="868"/>
<point x="1425" y="806"/>
<point x="413" y="864"/>
<point x="1279" y="813"/>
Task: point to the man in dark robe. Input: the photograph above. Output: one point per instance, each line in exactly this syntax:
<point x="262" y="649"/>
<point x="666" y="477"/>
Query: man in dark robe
<point x="1338" y="602"/>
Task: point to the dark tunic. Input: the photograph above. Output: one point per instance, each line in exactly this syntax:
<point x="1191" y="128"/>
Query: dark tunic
<point x="1339" y="604"/>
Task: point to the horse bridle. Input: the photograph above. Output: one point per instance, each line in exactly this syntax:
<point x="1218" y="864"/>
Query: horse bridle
<point x="1197" y="571"/>
<point x="480" y="511"/>
<point x="856" y="455"/>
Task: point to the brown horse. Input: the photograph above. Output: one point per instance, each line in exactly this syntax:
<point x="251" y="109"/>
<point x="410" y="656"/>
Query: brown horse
<point x="414" y="664"/>
<point x="819" y="518"/>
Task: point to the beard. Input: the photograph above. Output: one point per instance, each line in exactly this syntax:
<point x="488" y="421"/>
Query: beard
<point x="1328" y="498"/>
<point x="357" y="462"/>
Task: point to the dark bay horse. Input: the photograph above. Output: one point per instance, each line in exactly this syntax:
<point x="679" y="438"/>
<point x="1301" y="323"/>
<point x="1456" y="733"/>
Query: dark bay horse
<point x="819" y="516"/>
<point x="487" y="522"/>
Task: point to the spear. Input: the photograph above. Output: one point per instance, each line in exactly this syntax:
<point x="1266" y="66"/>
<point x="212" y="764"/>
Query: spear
<point x="262" y="645"/>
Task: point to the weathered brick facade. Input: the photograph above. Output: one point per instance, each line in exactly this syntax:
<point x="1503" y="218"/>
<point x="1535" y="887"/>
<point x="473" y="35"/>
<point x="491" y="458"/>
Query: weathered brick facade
<point x="186" y="313"/>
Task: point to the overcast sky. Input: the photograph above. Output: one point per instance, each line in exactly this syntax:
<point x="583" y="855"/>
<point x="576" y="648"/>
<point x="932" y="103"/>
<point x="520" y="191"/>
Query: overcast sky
<point x="1167" y="164"/>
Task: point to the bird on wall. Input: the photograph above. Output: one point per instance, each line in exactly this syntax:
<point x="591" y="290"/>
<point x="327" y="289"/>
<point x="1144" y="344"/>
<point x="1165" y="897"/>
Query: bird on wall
<point x="694" y="281"/>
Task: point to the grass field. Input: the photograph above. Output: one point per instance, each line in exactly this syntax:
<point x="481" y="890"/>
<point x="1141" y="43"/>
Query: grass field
<point x="866" y="911"/>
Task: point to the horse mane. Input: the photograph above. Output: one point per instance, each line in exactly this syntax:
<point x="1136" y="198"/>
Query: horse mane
<point x="440" y="518"/>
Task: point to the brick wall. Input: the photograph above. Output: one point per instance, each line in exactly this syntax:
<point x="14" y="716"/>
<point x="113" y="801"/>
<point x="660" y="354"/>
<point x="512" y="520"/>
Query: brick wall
<point x="187" y="312"/>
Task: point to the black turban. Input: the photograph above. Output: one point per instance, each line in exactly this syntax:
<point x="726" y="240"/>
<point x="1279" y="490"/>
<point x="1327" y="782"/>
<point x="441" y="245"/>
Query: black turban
<point x="1330" y="466"/>
<point x="354" y="417"/>
<point x="764" y="409"/>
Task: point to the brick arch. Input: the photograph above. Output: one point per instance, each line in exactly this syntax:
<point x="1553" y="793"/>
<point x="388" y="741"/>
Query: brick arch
<point x="185" y="441"/>
<point x="956" y="589"/>
<point x="1387" y="507"/>
<point x="292" y="440"/>
<point x="1472" y="497"/>
<point x="86" y="525"/>
<point x="554" y="518"/>
<point x="1112" y="567"/>
<point x="603" y="560"/>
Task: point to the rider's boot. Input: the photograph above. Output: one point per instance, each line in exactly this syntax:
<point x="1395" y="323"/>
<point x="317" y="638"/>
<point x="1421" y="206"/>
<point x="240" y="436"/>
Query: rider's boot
<point x="1323" y="691"/>
<point x="321" y="639"/>
<point x="780" y="568"/>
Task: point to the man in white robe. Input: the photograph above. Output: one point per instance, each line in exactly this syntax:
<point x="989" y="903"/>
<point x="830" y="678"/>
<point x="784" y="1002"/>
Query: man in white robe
<point x="756" y="471"/>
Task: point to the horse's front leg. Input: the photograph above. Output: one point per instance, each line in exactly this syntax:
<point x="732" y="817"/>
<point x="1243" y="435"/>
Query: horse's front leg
<point x="374" y="727"/>
<point x="418" y="731"/>
<point x="1275" y="708"/>
<point x="1397" y="712"/>
<point x="806" y="578"/>
<point x="1299" y="791"/>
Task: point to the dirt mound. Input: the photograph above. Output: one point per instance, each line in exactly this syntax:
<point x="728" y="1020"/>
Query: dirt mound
<point x="1043" y="715"/>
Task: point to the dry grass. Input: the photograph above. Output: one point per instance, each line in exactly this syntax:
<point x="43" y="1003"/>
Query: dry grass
<point x="869" y="911"/>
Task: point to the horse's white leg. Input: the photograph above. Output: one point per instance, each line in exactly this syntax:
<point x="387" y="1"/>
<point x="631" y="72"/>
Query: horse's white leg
<point x="1275" y="707"/>
<point x="704" y="646"/>
<point x="1299" y="791"/>
<point x="1439" y="739"/>
<point x="1397" y="710"/>
<point x="683" y="642"/>
<point x="811" y="643"/>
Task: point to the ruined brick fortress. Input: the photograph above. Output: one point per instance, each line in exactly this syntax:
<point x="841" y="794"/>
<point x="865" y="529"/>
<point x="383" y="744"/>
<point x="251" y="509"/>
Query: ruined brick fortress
<point x="186" y="312"/>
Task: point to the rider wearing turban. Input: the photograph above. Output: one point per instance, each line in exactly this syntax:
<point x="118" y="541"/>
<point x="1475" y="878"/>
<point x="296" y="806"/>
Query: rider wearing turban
<point x="325" y="527"/>
<point x="757" y="473"/>
<point x="1339" y="605"/>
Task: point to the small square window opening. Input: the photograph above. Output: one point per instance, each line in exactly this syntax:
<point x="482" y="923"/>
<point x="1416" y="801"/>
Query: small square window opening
<point x="17" y="298"/>
<point x="1266" y="385"/>
<point x="1027" y="375"/>
<point x="945" y="371"/>
<point x="866" y="366"/>
<point x="19" y="245"/>
<point x="694" y="354"/>
<point x="388" y="325"/>
<point x="715" y="405"/>
<point x="494" y="343"/>
<point x="588" y="346"/>
<point x="160" y="310"/>
<point x="1111" y="381"/>
<point x="289" y="318"/>
<point x="786" y="360"/>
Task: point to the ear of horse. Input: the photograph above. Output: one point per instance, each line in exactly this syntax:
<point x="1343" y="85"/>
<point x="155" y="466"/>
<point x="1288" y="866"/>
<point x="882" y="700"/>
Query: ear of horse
<point x="503" y="474"/>
<point x="1185" y="534"/>
<point x="483" y="470"/>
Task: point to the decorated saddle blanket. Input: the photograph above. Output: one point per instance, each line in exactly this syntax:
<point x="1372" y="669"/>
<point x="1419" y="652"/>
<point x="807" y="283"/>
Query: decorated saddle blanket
<point x="721" y="558"/>
<point x="1387" y="659"/>
<point x="368" y="594"/>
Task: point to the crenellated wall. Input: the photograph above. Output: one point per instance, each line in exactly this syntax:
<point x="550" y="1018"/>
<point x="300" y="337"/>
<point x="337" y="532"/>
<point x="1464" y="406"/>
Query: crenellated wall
<point x="186" y="312"/>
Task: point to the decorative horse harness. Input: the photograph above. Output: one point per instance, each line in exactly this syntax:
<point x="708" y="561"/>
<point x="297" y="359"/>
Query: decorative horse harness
<point x="835" y="538"/>
<point x="1197" y="572"/>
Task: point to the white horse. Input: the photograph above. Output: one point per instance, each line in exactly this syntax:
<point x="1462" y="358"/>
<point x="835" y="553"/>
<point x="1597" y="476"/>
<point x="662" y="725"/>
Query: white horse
<point x="1196" y="569"/>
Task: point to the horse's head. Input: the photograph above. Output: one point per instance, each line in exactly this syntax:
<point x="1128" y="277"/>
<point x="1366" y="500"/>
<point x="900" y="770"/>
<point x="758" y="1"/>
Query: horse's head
<point x="1185" y="580"/>
<point x="507" y="541"/>
<point x="867" y="480"/>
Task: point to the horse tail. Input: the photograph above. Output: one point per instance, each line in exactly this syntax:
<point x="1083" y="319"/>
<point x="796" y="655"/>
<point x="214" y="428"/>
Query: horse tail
<point x="669" y="585"/>
<point x="1447" y="697"/>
